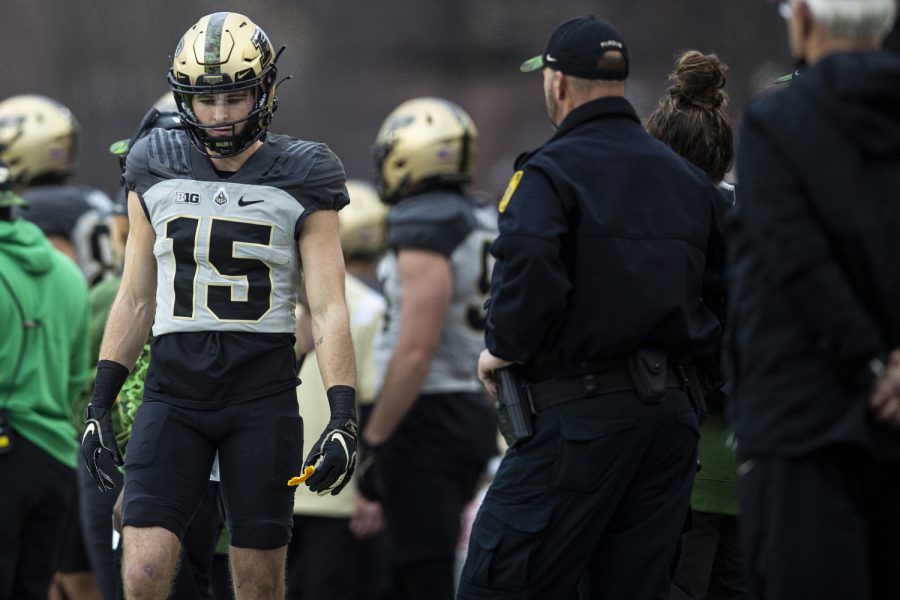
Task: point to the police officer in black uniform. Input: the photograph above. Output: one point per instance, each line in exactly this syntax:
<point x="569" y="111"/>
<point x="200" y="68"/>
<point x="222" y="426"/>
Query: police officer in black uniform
<point x="596" y="309"/>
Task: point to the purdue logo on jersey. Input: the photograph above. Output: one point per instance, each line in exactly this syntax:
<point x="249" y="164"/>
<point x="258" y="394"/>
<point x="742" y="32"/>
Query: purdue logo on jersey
<point x="221" y="198"/>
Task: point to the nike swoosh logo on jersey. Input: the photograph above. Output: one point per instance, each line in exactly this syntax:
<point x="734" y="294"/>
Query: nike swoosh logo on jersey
<point x="550" y="58"/>
<point x="242" y="202"/>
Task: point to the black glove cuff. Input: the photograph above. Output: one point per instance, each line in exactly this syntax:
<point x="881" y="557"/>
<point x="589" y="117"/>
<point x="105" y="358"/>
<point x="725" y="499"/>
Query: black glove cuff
<point x="111" y="377"/>
<point x="342" y="400"/>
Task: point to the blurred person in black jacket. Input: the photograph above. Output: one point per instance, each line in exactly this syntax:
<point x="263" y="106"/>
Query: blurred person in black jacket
<point x="815" y="311"/>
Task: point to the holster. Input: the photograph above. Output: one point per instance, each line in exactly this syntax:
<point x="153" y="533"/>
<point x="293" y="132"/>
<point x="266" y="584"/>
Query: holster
<point x="647" y="367"/>
<point x="693" y="387"/>
<point x="514" y="407"/>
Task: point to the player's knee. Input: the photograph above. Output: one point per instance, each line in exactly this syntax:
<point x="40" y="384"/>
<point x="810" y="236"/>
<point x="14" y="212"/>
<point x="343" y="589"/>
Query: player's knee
<point x="150" y="554"/>
<point x="145" y="577"/>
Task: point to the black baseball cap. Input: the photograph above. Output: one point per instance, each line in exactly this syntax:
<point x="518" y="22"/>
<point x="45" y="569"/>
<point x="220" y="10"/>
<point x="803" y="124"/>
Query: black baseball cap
<point x="576" y="47"/>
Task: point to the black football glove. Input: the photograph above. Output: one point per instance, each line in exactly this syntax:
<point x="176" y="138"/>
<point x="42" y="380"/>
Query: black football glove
<point x="98" y="431"/>
<point x="98" y="436"/>
<point x="334" y="454"/>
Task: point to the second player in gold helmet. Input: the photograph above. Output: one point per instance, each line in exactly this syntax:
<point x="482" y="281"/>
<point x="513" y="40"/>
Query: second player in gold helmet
<point x="223" y="64"/>
<point x="38" y="139"/>
<point x="363" y="222"/>
<point x="424" y="142"/>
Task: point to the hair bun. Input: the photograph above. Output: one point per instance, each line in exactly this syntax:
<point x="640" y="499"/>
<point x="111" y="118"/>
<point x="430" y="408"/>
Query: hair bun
<point x="699" y="80"/>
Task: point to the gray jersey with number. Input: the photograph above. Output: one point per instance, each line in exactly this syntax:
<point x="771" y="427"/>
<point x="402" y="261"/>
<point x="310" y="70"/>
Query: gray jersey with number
<point x="460" y="230"/>
<point x="226" y="249"/>
<point x="81" y="215"/>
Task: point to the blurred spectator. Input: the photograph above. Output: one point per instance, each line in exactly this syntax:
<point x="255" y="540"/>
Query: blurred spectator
<point x="40" y="145"/>
<point x="813" y="313"/>
<point x="43" y="350"/>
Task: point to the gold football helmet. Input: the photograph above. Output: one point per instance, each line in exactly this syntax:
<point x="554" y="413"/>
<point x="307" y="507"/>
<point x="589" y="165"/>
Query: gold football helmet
<point x="225" y="52"/>
<point x="38" y="139"/>
<point x="424" y="141"/>
<point x="363" y="221"/>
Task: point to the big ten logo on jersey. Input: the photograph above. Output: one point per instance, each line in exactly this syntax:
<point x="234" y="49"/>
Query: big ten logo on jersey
<point x="187" y="198"/>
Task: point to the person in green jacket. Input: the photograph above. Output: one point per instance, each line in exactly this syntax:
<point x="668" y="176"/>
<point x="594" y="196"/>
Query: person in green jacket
<point x="43" y="367"/>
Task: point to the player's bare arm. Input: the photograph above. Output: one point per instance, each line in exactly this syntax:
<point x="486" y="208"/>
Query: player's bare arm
<point x="132" y="312"/>
<point x="427" y="291"/>
<point x="323" y="273"/>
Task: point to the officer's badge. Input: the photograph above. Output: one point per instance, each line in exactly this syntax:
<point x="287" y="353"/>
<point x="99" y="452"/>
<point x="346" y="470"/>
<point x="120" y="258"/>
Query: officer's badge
<point x="221" y="198"/>
<point x="510" y="189"/>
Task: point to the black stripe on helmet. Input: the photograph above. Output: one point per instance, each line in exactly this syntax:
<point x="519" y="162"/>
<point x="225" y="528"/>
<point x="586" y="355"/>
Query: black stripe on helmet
<point x="212" y="47"/>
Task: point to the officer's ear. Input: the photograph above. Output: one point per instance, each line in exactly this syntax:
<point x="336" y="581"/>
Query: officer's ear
<point x="561" y="90"/>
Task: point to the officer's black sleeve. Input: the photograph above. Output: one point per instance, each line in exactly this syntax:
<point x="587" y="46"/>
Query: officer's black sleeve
<point x="530" y="282"/>
<point x="776" y="217"/>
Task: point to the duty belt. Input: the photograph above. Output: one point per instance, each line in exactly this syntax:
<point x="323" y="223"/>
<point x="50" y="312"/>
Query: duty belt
<point x="558" y="391"/>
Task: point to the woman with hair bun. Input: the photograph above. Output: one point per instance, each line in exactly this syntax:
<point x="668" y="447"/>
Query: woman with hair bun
<point x="692" y="119"/>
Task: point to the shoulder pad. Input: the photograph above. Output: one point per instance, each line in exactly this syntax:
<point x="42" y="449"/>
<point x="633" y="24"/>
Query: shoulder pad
<point x="436" y="221"/>
<point x="168" y="151"/>
<point x="295" y="158"/>
<point x="163" y="154"/>
<point x="309" y="171"/>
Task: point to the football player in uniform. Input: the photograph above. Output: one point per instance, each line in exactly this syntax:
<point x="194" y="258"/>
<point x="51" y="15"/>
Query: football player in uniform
<point x="432" y="429"/>
<point x="364" y="232"/>
<point x="193" y="579"/>
<point x="222" y="214"/>
<point x="345" y="525"/>
<point x="39" y="140"/>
